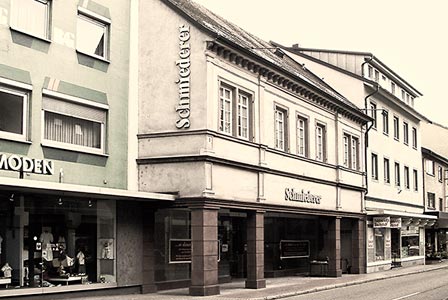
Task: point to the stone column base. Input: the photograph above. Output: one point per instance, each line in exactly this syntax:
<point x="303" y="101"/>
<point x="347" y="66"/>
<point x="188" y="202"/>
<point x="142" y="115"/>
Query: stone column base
<point x="256" y="284"/>
<point x="336" y="273"/>
<point x="208" y="290"/>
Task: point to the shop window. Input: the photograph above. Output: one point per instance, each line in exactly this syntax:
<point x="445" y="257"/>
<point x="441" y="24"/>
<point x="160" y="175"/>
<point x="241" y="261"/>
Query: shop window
<point x="431" y="199"/>
<point x="57" y="241"/>
<point x="410" y="242"/>
<point x="172" y="241"/>
<point x="280" y="119"/>
<point x="386" y="170"/>
<point x="396" y="128"/>
<point x="92" y="35"/>
<point x="235" y="111"/>
<point x="31" y="16"/>
<point x="379" y="243"/>
<point x="302" y="136"/>
<point x="74" y="126"/>
<point x="351" y="151"/>
<point x="321" y="141"/>
<point x="374" y="166"/>
<point x="13" y="114"/>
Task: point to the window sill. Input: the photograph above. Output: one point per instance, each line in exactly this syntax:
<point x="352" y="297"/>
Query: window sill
<point x="30" y="35"/>
<point x="14" y="139"/>
<point x="386" y="133"/>
<point x="94" y="56"/>
<point x="72" y="148"/>
<point x="431" y="208"/>
<point x="397" y="139"/>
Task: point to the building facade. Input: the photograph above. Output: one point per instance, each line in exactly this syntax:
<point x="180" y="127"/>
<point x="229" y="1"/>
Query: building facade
<point x="394" y="203"/>
<point x="265" y="158"/>
<point x="68" y="220"/>
<point x="435" y="166"/>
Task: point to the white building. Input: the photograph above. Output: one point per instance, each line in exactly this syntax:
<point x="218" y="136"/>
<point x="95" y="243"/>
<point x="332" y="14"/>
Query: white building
<point x="394" y="202"/>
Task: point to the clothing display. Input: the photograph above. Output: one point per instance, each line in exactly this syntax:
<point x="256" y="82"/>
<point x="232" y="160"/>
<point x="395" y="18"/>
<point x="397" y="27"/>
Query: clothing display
<point x="6" y="269"/>
<point x="46" y="238"/>
<point x="61" y="243"/>
<point x="107" y="251"/>
<point x="81" y="262"/>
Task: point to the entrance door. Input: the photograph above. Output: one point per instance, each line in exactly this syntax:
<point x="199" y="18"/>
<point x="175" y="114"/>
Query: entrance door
<point x="238" y="255"/>
<point x="395" y="247"/>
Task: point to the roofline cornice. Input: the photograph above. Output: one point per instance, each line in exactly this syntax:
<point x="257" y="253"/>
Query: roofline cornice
<point x="282" y="78"/>
<point x="429" y="152"/>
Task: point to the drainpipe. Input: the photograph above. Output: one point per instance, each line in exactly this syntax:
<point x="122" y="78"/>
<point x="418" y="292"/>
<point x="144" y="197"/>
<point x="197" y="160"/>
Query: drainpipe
<point x="366" y="139"/>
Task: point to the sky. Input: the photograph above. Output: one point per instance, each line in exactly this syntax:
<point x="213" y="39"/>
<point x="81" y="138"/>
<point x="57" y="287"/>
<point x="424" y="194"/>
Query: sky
<point x="410" y="37"/>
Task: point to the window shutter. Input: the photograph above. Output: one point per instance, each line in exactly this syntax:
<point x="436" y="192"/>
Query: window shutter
<point x="74" y="110"/>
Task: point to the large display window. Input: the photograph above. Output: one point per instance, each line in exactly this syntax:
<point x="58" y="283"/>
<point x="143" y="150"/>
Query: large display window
<point x="48" y="242"/>
<point x="410" y="242"/>
<point x="380" y="234"/>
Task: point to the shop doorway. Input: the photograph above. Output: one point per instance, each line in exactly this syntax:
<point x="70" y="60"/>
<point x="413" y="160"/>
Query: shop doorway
<point x="232" y="240"/>
<point x="395" y="247"/>
<point x="346" y="245"/>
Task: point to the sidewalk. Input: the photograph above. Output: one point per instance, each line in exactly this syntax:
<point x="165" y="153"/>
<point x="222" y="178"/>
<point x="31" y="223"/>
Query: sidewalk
<point x="283" y="287"/>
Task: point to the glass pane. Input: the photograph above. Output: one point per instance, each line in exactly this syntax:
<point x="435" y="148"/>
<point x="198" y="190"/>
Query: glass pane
<point x="70" y="130"/>
<point x="90" y="36"/>
<point x="11" y="113"/>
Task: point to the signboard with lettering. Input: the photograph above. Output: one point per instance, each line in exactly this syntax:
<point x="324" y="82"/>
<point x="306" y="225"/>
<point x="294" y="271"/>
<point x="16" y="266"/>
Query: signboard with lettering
<point x="294" y="249"/>
<point x="381" y="222"/>
<point x="180" y="251"/>
<point x="183" y="63"/>
<point x="395" y="222"/>
<point x="302" y="196"/>
<point x="25" y="164"/>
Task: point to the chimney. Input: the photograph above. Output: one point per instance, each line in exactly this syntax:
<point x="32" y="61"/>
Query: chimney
<point x="295" y="46"/>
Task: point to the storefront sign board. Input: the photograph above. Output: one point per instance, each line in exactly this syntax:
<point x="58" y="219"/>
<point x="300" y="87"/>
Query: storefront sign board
<point x="294" y="249"/>
<point x="180" y="251"/>
<point x="381" y="222"/>
<point x="25" y="164"/>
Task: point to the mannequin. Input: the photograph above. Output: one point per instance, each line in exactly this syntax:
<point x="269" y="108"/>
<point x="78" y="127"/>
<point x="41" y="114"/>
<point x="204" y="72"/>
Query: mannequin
<point x="6" y="269"/>
<point x="46" y="238"/>
<point x="81" y="262"/>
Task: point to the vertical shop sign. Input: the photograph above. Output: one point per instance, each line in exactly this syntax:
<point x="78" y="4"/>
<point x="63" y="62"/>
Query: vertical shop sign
<point x="183" y="63"/>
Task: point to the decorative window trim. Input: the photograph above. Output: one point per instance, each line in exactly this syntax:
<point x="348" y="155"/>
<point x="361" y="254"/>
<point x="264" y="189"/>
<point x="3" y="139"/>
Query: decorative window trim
<point x="306" y="139"/>
<point x="106" y="22"/>
<point x="47" y="37"/>
<point x="397" y="174"/>
<point x="323" y="126"/>
<point x="350" y="162"/>
<point x="374" y="172"/>
<point x="406" y="177"/>
<point x="71" y="98"/>
<point x="94" y="15"/>
<point x="285" y="111"/>
<point x="415" y="179"/>
<point x="386" y="178"/>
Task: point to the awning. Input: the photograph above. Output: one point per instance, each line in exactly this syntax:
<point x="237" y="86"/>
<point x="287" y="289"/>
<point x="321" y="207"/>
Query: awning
<point x="396" y="213"/>
<point x="383" y="218"/>
<point x="75" y="190"/>
<point x="442" y="218"/>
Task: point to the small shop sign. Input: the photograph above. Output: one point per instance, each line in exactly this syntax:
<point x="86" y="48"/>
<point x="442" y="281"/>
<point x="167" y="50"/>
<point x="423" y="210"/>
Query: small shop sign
<point x="395" y="222"/>
<point x="180" y="251"/>
<point x="294" y="249"/>
<point x="302" y="196"/>
<point x="381" y="222"/>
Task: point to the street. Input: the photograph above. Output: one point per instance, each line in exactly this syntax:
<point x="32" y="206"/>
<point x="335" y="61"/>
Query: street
<point x="421" y="286"/>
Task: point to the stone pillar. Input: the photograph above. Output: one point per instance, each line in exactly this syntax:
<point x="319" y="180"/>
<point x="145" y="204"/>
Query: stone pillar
<point x="255" y="250"/>
<point x="334" y="247"/>
<point x="148" y="284"/>
<point x="204" y="260"/>
<point x="358" y="247"/>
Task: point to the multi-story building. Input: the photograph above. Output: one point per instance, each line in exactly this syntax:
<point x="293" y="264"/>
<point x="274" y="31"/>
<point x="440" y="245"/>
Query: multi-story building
<point x="266" y="158"/>
<point x="68" y="221"/>
<point x="435" y="164"/>
<point x="394" y="202"/>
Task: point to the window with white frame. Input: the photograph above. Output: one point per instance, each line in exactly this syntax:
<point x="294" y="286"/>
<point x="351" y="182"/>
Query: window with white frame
<point x="370" y="71"/>
<point x="377" y="76"/>
<point x="415" y="175"/>
<point x="396" y="128"/>
<point x="403" y="95"/>
<point x="374" y="166"/>
<point x="31" y="16"/>
<point x="386" y="167"/>
<point x="385" y="122"/>
<point x="280" y="128"/>
<point x="302" y="136"/>
<point x="414" y="137"/>
<point x="235" y="111"/>
<point x="392" y="87"/>
<point x="351" y="151"/>
<point x="439" y="173"/>
<point x="397" y="174"/>
<point x="430" y="168"/>
<point x="13" y="113"/>
<point x="373" y="113"/>
<point x="320" y="142"/>
<point x="405" y="133"/>
<point x="92" y="35"/>
<point x="406" y="177"/>
<point x="74" y="126"/>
